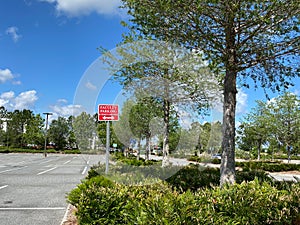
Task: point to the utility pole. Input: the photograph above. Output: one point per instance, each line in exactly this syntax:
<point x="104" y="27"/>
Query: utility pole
<point x="46" y="132"/>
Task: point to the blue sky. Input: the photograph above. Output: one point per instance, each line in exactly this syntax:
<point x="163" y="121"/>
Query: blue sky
<point x="47" y="47"/>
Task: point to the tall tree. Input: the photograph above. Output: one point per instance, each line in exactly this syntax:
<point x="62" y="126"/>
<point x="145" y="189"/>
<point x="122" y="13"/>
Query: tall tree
<point x="58" y="132"/>
<point x="85" y="130"/>
<point x="34" y="131"/>
<point x="122" y="127"/>
<point x="257" y="126"/>
<point x="101" y="130"/>
<point x="286" y="110"/>
<point x="19" y="121"/>
<point x="141" y="115"/>
<point x="155" y="69"/>
<point x="274" y="123"/>
<point x="215" y="137"/>
<point x="239" y="38"/>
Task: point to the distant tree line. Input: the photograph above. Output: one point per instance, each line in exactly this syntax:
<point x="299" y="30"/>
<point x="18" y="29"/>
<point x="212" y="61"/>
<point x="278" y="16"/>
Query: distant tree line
<point x="139" y="123"/>
<point x="24" y="129"/>
<point x="273" y="126"/>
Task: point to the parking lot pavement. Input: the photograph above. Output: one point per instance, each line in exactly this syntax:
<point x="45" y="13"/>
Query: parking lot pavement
<point x="33" y="188"/>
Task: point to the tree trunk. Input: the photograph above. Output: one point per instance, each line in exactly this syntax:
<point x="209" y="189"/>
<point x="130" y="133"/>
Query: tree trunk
<point x="147" y="147"/>
<point x="258" y="150"/>
<point x="139" y="149"/>
<point x="227" y="169"/>
<point x="165" y="160"/>
<point x="289" y="153"/>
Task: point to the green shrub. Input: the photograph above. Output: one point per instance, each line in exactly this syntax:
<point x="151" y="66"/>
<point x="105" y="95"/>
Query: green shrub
<point x="132" y="160"/>
<point x="261" y="176"/>
<point x="26" y="150"/>
<point x="197" y="159"/>
<point x="204" y="159"/>
<point x="240" y="154"/>
<point x="4" y="151"/>
<point x="194" y="177"/>
<point x="285" y="156"/>
<point x="86" y="185"/>
<point x="270" y="166"/>
<point x="216" y="161"/>
<point x="73" y="151"/>
<point x="249" y="203"/>
<point x="100" y="201"/>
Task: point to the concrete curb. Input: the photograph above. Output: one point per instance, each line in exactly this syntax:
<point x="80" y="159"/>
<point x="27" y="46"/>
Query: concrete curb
<point x="65" y="218"/>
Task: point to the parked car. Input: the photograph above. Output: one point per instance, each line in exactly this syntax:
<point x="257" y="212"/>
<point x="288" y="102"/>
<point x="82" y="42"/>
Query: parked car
<point x="156" y="151"/>
<point x="216" y="156"/>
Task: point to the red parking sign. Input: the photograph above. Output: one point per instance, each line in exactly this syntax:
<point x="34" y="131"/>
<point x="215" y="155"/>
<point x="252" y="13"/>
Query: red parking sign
<point x="107" y="112"/>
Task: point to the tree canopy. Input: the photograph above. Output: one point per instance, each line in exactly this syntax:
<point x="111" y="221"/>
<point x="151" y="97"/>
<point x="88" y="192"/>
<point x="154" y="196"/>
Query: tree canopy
<point x="240" y="39"/>
<point x="275" y="124"/>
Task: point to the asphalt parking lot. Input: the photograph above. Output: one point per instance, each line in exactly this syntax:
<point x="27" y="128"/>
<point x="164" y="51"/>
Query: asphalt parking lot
<point x="33" y="188"/>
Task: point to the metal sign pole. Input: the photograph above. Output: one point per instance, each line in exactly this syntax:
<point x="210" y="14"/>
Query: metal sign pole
<point x="46" y="132"/>
<point x="107" y="147"/>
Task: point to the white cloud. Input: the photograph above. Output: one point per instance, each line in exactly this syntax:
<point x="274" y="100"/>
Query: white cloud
<point x="7" y="95"/>
<point x="75" y="8"/>
<point x="296" y="92"/>
<point x="241" y="105"/>
<point x="62" y="100"/>
<point x="5" y="75"/>
<point x="241" y="98"/>
<point x="16" y="82"/>
<point x="3" y="102"/>
<point x="90" y="86"/>
<point x="13" y="32"/>
<point x="24" y="100"/>
<point x="61" y="108"/>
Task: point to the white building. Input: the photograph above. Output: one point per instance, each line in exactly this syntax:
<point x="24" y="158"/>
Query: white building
<point x="3" y="124"/>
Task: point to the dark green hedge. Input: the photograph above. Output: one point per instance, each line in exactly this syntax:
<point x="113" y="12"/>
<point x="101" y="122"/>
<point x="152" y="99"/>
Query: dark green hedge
<point x="25" y="150"/>
<point x="270" y="166"/>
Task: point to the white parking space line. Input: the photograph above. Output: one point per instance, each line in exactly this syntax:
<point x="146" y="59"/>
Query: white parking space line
<point x="47" y="161"/>
<point x="33" y="208"/>
<point x="4" y="171"/>
<point x="46" y="171"/>
<point x="3" y="187"/>
<point x="67" y="162"/>
<point x="84" y="170"/>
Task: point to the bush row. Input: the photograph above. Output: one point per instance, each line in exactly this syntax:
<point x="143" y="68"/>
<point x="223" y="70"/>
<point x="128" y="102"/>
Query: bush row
<point x="102" y="201"/>
<point x="21" y="150"/>
<point x="203" y="159"/>
<point x="276" y="166"/>
<point x="194" y="177"/>
<point x="271" y="166"/>
<point x="293" y="157"/>
<point x="191" y="177"/>
<point x="132" y="160"/>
